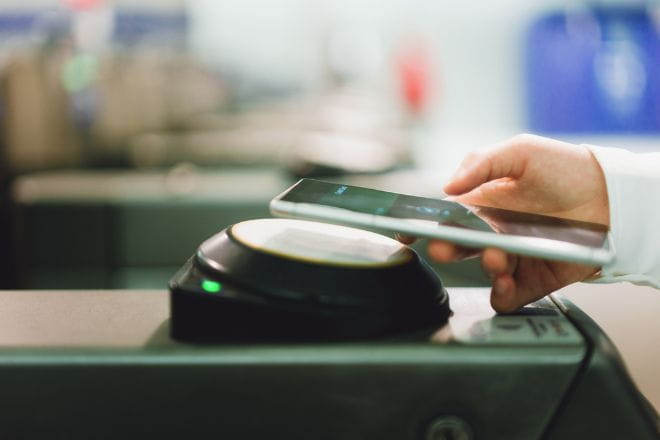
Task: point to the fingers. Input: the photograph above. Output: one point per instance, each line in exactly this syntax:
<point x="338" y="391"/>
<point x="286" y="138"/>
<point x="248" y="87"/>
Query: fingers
<point x="505" y="160"/>
<point x="510" y="294"/>
<point x="496" y="262"/>
<point x="445" y="252"/>
<point x="526" y="280"/>
<point x="506" y="296"/>
<point x="503" y="295"/>
<point x="500" y="267"/>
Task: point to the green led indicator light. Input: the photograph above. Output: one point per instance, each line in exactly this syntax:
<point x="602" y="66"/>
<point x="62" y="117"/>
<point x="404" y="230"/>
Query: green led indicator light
<point x="211" y="286"/>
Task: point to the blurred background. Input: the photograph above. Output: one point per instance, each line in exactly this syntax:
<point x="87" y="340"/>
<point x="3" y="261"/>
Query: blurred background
<point x="132" y="131"/>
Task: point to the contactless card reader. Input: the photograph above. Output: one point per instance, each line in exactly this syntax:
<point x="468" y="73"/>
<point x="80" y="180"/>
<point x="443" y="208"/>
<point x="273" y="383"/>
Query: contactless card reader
<point x="274" y="279"/>
<point x="367" y="348"/>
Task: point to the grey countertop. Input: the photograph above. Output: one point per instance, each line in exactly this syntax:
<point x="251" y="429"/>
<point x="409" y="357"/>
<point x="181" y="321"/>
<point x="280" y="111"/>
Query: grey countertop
<point x="135" y="318"/>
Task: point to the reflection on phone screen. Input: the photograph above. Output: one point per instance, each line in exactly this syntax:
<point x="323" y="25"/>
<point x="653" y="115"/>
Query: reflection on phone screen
<point x="370" y="201"/>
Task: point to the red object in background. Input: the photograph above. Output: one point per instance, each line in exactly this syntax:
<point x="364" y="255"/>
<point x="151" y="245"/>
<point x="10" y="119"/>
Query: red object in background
<point x="414" y="70"/>
<point x="81" y="5"/>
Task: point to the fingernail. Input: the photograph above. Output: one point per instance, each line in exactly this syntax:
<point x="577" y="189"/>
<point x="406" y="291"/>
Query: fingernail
<point x="459" y="174"/>
<point x="452" y="181"/>
<point x="455" y="180"/>
<point x="500" y="286"/>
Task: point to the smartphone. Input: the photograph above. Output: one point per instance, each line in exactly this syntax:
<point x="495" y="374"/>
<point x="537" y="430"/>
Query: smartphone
<point x="472" y="226"/>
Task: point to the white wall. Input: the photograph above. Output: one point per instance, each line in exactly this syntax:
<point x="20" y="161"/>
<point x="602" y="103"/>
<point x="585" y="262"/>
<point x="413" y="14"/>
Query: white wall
<point x="476" y="45"/>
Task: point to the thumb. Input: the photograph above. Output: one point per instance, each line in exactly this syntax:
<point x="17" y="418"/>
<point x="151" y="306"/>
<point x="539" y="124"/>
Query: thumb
<point x="478" y="168"/>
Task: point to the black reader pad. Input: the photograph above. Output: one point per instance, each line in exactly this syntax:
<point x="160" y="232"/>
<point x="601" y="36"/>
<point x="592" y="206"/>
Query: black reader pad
<point x="280" y="279"/>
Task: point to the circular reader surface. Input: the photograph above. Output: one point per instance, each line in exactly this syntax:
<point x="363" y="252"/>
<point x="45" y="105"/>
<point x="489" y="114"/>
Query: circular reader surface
<point x="307" y="280"/>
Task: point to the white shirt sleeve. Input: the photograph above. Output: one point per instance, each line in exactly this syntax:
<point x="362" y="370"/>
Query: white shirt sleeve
<point x="633" y="187"/>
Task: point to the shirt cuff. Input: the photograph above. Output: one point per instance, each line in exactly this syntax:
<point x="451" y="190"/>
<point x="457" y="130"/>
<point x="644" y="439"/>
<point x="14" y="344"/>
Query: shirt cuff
<point x="633" y="187"/>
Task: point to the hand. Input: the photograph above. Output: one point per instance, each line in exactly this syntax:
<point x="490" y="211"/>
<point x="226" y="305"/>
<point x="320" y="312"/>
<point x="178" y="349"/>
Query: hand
<point x="531" y="174"/>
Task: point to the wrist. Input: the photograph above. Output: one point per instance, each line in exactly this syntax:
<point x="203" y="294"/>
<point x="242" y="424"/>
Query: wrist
<point x="599" y="209"/>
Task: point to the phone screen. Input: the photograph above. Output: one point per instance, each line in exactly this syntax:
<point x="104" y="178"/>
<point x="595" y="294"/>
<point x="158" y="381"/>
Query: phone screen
<point x="375" y="202"/>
